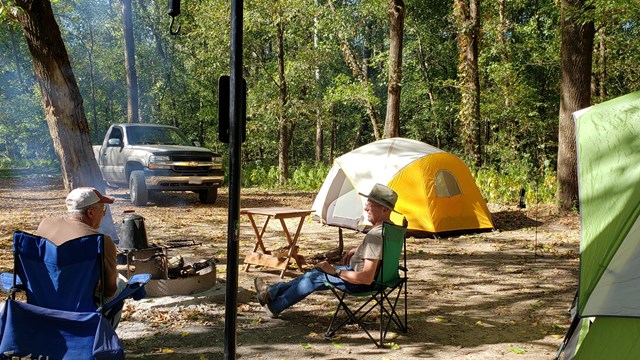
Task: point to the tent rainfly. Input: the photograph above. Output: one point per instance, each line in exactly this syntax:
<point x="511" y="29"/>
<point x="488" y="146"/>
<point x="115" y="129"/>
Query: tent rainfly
<point x="606" y="316"/>
<point x="436" y="192"/>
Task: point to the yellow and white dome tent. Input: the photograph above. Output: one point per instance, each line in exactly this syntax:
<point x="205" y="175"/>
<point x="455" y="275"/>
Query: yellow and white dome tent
<point x="436" y="192"/>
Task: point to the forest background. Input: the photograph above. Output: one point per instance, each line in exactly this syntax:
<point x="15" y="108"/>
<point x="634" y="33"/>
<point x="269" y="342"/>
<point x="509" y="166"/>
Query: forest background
<point x="317" y="76"/>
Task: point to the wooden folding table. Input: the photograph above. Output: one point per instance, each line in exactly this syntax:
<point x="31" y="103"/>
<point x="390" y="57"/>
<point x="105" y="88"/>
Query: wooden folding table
<point x="272" y="258"/>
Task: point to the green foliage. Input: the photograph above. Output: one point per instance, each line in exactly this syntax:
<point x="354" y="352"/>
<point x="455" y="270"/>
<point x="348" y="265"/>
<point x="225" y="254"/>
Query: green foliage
<point x="256" y="175"/>
<point x="504" y="186"/>
<point x="306" y="176"/>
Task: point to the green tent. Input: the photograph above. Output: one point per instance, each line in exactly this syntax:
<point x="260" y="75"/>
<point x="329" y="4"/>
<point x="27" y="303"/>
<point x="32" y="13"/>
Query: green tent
<point x="606" y="322"/>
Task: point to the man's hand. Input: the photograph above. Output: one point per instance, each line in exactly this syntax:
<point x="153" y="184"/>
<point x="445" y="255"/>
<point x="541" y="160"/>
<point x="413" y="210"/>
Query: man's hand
<point x="326" y="267"/>
<point x="347" y="257"/>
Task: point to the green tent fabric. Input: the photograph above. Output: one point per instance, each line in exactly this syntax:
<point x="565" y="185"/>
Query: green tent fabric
<point x="608" y="155"/>
<point x="608" y="146"/>
<point x="624" y="333"/>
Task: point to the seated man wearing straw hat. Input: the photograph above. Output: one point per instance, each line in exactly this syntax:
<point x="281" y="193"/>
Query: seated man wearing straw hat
<point x="359" y="264"/>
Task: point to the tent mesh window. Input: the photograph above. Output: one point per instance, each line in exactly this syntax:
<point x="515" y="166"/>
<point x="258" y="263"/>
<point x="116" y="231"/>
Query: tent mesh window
<point x="446" y="184"/>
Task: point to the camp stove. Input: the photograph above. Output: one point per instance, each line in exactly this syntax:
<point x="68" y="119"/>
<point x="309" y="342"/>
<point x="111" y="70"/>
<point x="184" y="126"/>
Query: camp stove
<point x="169" y="275"/>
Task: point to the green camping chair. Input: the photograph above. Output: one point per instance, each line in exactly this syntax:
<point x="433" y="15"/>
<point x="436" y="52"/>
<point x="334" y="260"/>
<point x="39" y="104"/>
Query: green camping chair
<point x="390" y="283"/>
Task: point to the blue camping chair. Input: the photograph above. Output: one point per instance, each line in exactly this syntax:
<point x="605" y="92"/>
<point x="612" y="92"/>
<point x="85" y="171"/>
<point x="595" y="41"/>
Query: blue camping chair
<point x="65" y="316"/>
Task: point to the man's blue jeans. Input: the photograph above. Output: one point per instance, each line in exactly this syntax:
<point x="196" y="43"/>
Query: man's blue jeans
<point x="285" y="294"/>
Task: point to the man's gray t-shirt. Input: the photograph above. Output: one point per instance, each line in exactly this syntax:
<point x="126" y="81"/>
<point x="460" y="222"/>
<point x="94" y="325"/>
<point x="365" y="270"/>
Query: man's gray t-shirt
<point x="371" y="248"/>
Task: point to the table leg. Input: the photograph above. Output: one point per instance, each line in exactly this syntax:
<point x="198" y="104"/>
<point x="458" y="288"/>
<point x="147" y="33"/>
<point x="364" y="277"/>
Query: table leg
<point x="292" y="245"/>
<point x="259" y="235"/>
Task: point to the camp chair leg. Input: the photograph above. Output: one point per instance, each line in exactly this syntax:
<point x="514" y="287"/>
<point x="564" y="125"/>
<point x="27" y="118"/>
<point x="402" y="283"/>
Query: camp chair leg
<point x="387" y="315"/>
<point x="331" y="330"/>
<point x="386" y="301"/>
<point x="350" y="316"/>
<point x="393" y="314"/>
<point x="406" y="306"/>
<point x="356" y="316"/>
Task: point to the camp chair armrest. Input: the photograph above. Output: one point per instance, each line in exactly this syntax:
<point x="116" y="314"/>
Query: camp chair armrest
<point x="134" y="289"/>
<point x="140" y="279"/>
<point x="6" y="283"/>
<point x="404" y="269"/>
<point x="327" y="281"/>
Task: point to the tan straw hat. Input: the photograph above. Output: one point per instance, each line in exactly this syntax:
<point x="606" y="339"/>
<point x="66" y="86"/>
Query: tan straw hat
<point x="383" y="195"/>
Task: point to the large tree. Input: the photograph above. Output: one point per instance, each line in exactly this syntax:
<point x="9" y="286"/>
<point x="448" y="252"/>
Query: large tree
<point x="467" y="14"/>
<point x="575" y="93"/>
<point x="287" y="126"/>
<point x="396" y="32"/>
<point x="61" y="100"/>
<point x="130" y="62"/>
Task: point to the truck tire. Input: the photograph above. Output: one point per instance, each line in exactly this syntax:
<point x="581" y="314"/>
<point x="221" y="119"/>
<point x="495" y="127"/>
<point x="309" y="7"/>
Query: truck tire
<point x="208" y="196"/>
<point x="138" y="188"/>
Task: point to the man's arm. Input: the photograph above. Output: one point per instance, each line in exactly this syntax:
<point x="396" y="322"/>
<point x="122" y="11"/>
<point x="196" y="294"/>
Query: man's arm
<point x="365" y="276"/>
<point x="110" y="267"/>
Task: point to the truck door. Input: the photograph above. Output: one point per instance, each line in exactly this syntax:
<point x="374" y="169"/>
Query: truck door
<point x="112" y="161"/>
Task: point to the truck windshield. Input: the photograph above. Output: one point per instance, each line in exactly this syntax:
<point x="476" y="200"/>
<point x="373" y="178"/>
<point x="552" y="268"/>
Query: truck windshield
<point x="147" y="135"/>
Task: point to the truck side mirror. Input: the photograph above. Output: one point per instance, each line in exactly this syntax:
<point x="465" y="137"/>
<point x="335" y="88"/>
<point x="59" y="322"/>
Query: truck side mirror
<point x="114" y="142"/>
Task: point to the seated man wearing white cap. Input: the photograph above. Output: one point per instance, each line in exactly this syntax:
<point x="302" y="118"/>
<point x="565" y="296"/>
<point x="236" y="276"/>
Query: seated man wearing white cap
<point x="86" y="207"/>
<point x="359" y="264"/>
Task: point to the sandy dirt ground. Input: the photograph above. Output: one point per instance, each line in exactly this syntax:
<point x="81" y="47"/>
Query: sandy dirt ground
<point x="494" y="295"/>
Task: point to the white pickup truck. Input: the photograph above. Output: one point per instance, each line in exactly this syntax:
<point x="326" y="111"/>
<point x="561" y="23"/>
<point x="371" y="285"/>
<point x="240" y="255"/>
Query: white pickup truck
<point x="149" y="158"/>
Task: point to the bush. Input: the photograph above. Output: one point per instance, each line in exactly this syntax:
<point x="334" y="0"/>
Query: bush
<point x="257" y="175"/>
<point x="306" y="177"/>
<point x="504" y="186"/>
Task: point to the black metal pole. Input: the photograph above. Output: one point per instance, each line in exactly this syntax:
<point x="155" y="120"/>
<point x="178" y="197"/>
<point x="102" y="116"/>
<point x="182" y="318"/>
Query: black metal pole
<point x="235" y="141"/>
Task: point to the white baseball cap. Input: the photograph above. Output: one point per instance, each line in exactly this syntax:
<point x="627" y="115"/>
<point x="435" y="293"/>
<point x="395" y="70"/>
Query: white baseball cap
<point x="83" y="197"/>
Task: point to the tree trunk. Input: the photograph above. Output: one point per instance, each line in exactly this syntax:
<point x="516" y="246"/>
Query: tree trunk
<point x="319" y="138"/>
<point x="319" y="133"/>
<point x="396" y="30"/>
<point x="89" y="47"/>
<point x="130" y="62"/>
<point x="332" y="145"/>
<point x="468" y="21"/>
<point x="504" y="29"/>
<point x="603" y="65"/>
<point x="599" y="89"/>
<point x="61" y="99"/>
<point x="286" y="127"/>
<point x="576" y="51"/>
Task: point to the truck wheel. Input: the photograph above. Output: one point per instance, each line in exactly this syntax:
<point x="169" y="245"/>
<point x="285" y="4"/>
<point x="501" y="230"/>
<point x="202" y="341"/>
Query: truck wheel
<point x="138" y="188"/>
<point x="208" y="196"/>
